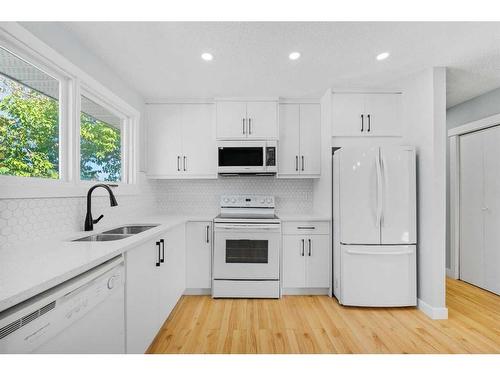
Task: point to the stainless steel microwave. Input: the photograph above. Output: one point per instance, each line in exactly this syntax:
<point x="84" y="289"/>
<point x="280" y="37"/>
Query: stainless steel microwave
<point x="247" y="157"/>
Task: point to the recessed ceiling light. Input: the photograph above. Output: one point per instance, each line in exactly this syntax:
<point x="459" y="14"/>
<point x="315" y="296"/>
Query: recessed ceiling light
<point x="383" y="56"/>
<point x="294" y="56"/>
<point x="207" y="56"/>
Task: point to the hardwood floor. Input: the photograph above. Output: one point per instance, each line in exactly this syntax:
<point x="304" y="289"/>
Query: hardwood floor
<point x="318" y="324"/>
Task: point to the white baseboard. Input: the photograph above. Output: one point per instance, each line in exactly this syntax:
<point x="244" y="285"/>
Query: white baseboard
<point x="435" y="313"/>
<point x="198" y="292"/>
<point x="305" y="291"/>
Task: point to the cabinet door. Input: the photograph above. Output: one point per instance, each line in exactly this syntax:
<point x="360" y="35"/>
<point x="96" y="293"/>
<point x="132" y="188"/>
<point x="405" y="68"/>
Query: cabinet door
<point x="142" y="296"/>
<point x="383" y="114"/>
<point x="231" y="120"/>
<point x="164" y="140"/>
<point x="346" y="115"/>
<point x="491" y="210"/>
<point x="318" y="261"/>
<point x="173" y="270"/>
<point x="198" y="254"/>
<point x="289" y="144"/>
<point x="198" y="143"/>
<point x="472" y="261"/>
<point x="294" y="265"/>
<point x="262" y="120"/>
<point x="310" y="139"/>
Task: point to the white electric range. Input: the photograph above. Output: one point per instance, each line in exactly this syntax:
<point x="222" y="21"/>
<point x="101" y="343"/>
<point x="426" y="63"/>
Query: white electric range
<point x="246" y="261"/>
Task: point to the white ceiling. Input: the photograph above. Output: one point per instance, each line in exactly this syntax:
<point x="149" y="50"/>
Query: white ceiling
<point x="162" y="59"/>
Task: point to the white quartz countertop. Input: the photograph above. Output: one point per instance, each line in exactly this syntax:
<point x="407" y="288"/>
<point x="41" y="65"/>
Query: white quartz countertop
<point x="33" y="267"/>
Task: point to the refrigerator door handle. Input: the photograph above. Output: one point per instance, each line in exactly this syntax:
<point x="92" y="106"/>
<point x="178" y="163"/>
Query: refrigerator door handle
<point x="383" y="184"/>
<point x="379" y="189"/>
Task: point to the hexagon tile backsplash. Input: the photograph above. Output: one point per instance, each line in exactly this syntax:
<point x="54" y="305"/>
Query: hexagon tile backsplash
<point x="57" y="218"/>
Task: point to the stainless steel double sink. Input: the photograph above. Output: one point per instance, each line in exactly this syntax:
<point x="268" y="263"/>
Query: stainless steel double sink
<point x="117" y="233"/>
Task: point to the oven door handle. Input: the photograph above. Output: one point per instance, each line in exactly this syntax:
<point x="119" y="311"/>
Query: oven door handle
<point x="245" y="227"/>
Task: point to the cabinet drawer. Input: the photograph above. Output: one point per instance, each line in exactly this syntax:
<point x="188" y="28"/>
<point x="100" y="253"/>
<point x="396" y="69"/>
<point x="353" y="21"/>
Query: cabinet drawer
<point x="306" y="227"/>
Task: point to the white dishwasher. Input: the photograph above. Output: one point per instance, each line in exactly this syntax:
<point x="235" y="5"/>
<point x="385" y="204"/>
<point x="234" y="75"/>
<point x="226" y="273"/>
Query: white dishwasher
<point x="83" y="315"/>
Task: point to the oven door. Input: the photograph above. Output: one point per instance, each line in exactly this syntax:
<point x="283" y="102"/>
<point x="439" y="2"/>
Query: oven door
<point x="246" y="251"/>
<point x="241" y="157"/>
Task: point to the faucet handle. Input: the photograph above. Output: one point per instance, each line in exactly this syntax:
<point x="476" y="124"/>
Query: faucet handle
<point x="97" y="220"/>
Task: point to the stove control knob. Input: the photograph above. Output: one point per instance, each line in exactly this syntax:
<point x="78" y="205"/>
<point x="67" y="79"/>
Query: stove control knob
<point x="233" y="200"/>
<point x="269" y="200"/>
<point x="226" y="200"/>
<point x="262" y="200"/>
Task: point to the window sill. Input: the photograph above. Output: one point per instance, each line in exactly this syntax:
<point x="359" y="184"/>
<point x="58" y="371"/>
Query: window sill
<point x="20" y="187"/>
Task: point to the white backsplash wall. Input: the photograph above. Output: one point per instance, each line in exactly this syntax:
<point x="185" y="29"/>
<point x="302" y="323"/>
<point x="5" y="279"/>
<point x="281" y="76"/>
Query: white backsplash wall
<point x="200" y="197"/>
<point x="56" y="218"/>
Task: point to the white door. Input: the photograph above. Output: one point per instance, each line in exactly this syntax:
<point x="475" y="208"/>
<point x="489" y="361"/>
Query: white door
<point x="142" y="296"/>
<point x="360" y="200"/>
<point x="289" y="143"/>
<point x="310" y="139"/>
<point x="472" y="262"/>
<point x="491" y="211"/>
<point x="294" y="264"/>
<point x="398" y="220"/>
<point x="231" y="120"/>
<point x="318" y="261"/>
<point x="346" y="115"/>
<point x="198" y="254"/>
<point x="198" y="143"/>
<point x="164" y="139"/>
<point x="262" y="120"/>
<point x="173" y="279"/>
<point x="383" y="114"/>
<point x="378" y="275"/>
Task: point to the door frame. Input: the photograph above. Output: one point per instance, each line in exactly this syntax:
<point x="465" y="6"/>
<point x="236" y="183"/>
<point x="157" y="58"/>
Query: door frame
<point x="454" y="168"/>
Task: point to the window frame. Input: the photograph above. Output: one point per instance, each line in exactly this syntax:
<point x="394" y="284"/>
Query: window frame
<point x="72" y="83"/>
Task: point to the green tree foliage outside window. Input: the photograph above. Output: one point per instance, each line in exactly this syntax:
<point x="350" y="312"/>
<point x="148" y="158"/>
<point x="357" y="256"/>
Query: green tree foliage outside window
<point x="100" y="149"/>
<point x="29" y="132"/>
<point x="29" y="137"/>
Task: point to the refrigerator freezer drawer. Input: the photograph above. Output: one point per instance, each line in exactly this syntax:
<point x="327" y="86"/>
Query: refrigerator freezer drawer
<point x="378" y="276"/>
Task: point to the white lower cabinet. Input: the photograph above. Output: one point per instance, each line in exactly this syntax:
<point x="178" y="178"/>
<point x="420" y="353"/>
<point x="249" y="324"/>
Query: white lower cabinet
<point x="306" y="257"/>
<point x="155" y="280"/>
<point x="198" y="256"/>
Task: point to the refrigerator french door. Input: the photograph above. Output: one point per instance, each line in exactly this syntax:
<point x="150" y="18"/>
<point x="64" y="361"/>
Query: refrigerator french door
<point x="375" y="208"/>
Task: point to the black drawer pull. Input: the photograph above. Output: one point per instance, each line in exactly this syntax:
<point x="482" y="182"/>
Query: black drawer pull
<point x="306" y="227"/>
<point x="162" y="241"/>
<point x="158" y="244"/>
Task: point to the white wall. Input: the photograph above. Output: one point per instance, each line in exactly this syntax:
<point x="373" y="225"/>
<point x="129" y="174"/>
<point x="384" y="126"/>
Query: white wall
<point x="424" y="108"/>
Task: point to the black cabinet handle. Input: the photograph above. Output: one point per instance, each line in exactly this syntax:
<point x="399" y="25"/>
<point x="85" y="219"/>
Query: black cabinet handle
<point x="162" y="241"/>
<point x="306" y="227"/>
<point x="178" y="163"/>
<point x="369" y="122"/>
<point x="243" y="122"/>
<point x="208" y="238"/>
<point x="158" y="244"/>
<point x="362" y="122"/>
<point x="184" y="160"/>
<point x="310" y="247"/>
<point x="302" y="162"/>
<point x="249" y="126"/>
<point x="303" y="246"/>
<point x="296" y="162"/>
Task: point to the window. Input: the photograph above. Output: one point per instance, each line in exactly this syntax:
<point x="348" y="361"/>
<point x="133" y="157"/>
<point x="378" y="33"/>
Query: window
<point x="29" y="119"/>
<point x="100" y="143"/>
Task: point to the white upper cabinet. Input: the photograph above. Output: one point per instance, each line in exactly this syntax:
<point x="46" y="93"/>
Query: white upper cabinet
<point x="164" y="140"/>
<point x="246" y="120"/>
<point x="180" y="141"/>
<point x="300" y="140"/>
<point x="366" y="114"/>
